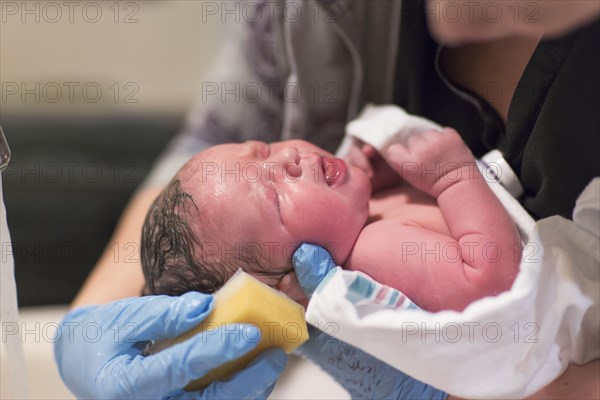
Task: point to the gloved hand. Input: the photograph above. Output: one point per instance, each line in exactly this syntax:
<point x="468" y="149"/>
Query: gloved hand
<point x="363" y="375"/>
<point x="98" y="350"/>
<point x="312" y="263"/>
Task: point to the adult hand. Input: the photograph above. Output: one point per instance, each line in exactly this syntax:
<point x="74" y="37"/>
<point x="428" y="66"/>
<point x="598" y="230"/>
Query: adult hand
<point x="363" y="375"/>
<point x="99" y="351"/>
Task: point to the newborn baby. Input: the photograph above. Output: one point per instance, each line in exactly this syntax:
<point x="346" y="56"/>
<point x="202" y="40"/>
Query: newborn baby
<point x="440" y="236"/>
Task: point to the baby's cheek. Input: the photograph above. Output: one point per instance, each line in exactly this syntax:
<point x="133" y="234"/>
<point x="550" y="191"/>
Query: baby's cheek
<point x="331" y="221"/>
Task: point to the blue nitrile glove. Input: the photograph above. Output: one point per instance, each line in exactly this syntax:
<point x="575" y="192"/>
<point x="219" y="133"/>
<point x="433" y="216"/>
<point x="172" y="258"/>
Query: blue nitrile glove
<point x="311" y="264"/>
<point x="363" y="375"/>
<point x="99" y="351"/>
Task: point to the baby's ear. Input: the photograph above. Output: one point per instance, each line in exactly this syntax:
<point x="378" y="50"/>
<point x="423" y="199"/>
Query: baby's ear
<point x="292" y="289"/>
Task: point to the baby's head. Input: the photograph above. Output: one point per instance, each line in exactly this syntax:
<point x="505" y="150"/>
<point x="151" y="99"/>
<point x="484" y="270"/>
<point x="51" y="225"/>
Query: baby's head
<point x="249" y="206"/>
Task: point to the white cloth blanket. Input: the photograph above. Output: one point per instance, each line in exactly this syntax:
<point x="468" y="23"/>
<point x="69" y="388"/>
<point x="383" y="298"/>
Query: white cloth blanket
<point x="507" y="346"/>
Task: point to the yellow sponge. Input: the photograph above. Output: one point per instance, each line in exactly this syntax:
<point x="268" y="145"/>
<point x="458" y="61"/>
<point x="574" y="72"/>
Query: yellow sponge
<point x="244" y="299"/>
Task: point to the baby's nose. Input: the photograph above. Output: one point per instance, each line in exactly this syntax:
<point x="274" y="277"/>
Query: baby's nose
<point x="290" y="159"/>
<point x="288" y="162"/>
<point x="290" y="155"/>
<point x="284" y="163"/>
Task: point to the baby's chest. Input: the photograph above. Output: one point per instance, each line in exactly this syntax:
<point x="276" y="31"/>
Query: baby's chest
<point x="408" y="206"/>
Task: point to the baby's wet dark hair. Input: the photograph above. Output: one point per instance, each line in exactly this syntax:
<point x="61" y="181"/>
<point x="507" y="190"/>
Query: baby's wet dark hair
<point x="167" y="248"/>
<point x="171" y="254"/>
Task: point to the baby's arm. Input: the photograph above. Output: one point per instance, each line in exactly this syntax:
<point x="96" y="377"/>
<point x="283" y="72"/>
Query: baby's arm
<point x="437" y="271"/>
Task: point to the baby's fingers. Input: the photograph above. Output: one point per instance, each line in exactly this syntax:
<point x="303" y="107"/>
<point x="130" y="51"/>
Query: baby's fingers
<point x="368" y="150"/>
<point x="396" y="155"/>
<point x="432" y="136"/>
<point x="357" y="158"/>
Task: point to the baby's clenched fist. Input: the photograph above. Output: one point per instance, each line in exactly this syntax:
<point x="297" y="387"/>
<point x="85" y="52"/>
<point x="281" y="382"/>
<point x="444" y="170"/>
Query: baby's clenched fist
<point x="433" y="161"/>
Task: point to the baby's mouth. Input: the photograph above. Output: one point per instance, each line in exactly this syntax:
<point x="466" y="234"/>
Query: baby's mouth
<point x="334" y="170"/>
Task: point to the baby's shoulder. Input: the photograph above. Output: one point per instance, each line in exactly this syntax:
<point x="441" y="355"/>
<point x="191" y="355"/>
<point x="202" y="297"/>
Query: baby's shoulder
<point x="379" y="235"/>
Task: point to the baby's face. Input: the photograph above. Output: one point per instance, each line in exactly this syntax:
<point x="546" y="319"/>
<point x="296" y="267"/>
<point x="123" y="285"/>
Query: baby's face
<point x="274" y="197"/>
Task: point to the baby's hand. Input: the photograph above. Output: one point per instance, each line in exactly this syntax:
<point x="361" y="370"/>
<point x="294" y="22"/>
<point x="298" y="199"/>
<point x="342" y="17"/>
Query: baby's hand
<point x="358" y="155"/>
<point x="433" y="161"/>
<point x="365" y="157"/>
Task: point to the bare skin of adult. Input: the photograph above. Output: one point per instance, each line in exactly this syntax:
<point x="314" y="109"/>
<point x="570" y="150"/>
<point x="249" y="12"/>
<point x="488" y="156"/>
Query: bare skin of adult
<point x="501" y="58"/>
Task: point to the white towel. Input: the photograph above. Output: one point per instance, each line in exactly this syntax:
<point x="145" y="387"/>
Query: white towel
<point x="381" y="126"/>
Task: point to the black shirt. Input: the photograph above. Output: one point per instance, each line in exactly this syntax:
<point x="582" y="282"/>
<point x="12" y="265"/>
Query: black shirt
<point x="552" y="135"/>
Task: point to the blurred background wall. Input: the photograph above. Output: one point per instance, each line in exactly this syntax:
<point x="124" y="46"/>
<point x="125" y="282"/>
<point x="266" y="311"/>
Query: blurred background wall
<point x="163" y="48"/>
<point x="91" y="92"/>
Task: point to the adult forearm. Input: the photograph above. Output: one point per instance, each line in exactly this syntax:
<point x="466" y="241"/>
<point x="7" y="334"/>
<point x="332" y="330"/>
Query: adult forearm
<point x="118" y="273"/>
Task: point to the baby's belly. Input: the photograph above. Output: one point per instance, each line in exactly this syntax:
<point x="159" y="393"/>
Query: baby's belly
<point x="409" y="206"/>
